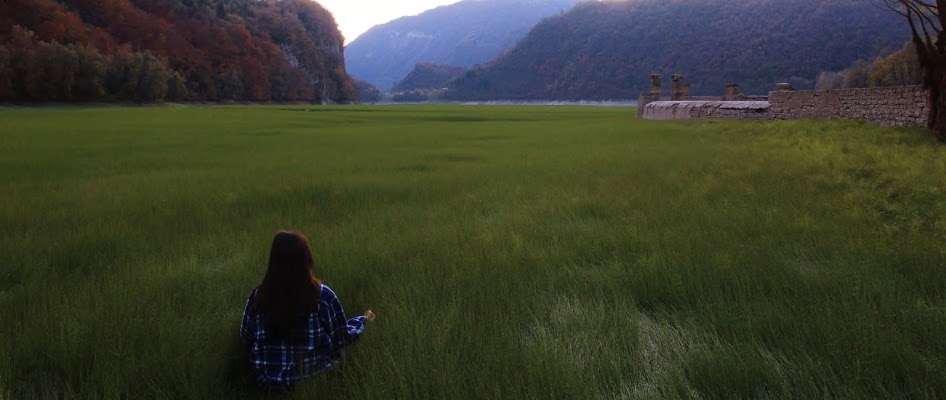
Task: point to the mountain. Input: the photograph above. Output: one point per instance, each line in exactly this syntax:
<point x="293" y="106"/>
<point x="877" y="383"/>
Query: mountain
<point x="609" y="49"/>
<point x="463" y="34"/>
<point x="429" y="76"/>
<point x="153" y="50"/>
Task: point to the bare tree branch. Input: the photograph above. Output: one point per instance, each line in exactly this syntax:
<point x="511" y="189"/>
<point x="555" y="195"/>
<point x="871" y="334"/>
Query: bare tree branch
<point x="926" y="26"/>
<point x="923" y="14"/>
<point x="926" y="14"/>
<point x="929" y="39"/>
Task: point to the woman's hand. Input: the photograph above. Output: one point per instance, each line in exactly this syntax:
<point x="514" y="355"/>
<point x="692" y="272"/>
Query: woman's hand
<point x="369" y="315"/>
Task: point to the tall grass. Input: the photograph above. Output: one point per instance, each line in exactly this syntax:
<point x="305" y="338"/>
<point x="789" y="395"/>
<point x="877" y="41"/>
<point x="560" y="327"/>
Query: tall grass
<point x="509" y="252"/>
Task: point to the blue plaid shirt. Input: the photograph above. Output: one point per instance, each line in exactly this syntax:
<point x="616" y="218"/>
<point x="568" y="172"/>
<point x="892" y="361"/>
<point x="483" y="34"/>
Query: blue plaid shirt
<point x="278" y="363"/>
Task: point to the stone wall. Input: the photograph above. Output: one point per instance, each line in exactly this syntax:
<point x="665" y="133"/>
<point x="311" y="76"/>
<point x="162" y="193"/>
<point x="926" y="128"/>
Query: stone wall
<point x="733" y="109"/>
<point x="705" y="98"/>
<point x="889" y="106"/>
<point x="644" y="100"/>
<point x="668" y="110"/>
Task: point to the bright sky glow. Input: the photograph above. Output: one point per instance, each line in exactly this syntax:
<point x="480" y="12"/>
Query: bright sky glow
<point x="354" y="17"/>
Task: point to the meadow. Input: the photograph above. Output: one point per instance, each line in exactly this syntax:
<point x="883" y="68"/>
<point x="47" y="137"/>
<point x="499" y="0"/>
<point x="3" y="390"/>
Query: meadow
<point x="509" y="252"/>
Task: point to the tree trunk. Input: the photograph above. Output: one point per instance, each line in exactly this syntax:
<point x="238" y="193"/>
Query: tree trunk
<point x="936" y="78"/>
<point x="930" y="43"/>
<point x="933" y="61"/>
<point x="937" y="104"/>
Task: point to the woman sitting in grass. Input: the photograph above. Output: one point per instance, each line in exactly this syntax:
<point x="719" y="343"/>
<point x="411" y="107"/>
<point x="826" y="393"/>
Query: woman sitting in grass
<point x="294" y="325"/>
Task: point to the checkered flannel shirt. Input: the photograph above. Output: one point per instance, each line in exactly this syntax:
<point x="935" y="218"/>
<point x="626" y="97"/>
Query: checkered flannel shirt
<point x="278" y="363"/>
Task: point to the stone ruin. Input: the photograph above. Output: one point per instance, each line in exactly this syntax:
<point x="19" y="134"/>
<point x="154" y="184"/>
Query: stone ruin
<point x="649" y="97"/>
<point x="889" y="106"/>
<point x="732" y="92"/>
<point x="679" y="89"/>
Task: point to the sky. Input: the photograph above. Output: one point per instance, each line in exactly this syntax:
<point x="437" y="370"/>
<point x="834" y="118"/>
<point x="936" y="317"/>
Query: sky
<point x="354" y="17"/>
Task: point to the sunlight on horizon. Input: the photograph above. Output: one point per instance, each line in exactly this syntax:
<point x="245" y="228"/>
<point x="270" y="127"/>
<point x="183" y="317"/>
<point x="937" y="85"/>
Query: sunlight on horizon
<point x="355" y="17"/>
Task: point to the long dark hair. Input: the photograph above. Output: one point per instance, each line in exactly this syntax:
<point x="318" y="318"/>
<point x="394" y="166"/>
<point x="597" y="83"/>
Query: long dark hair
<point x="289" y="290"/>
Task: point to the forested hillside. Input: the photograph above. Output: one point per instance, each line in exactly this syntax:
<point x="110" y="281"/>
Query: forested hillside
<point x="898" y="69"/>
<point x="153" y="50"/>
<point x="429" y="76"/>
<point x="463" y="34"/>
<point x="607" y="50"/>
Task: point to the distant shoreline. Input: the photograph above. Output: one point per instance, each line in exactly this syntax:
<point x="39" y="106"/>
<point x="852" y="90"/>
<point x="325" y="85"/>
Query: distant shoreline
<point x="80" y="105"/>
<point x="595" y="103"/>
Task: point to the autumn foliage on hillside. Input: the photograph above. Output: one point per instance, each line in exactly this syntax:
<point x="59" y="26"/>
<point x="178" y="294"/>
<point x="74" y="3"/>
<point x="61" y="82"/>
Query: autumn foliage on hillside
<point x="898" y="69"/>
<point x="154" y="50"/>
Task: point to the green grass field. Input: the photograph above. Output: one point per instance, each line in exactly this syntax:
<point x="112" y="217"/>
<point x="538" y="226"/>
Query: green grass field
<point x="509" y="252"/>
